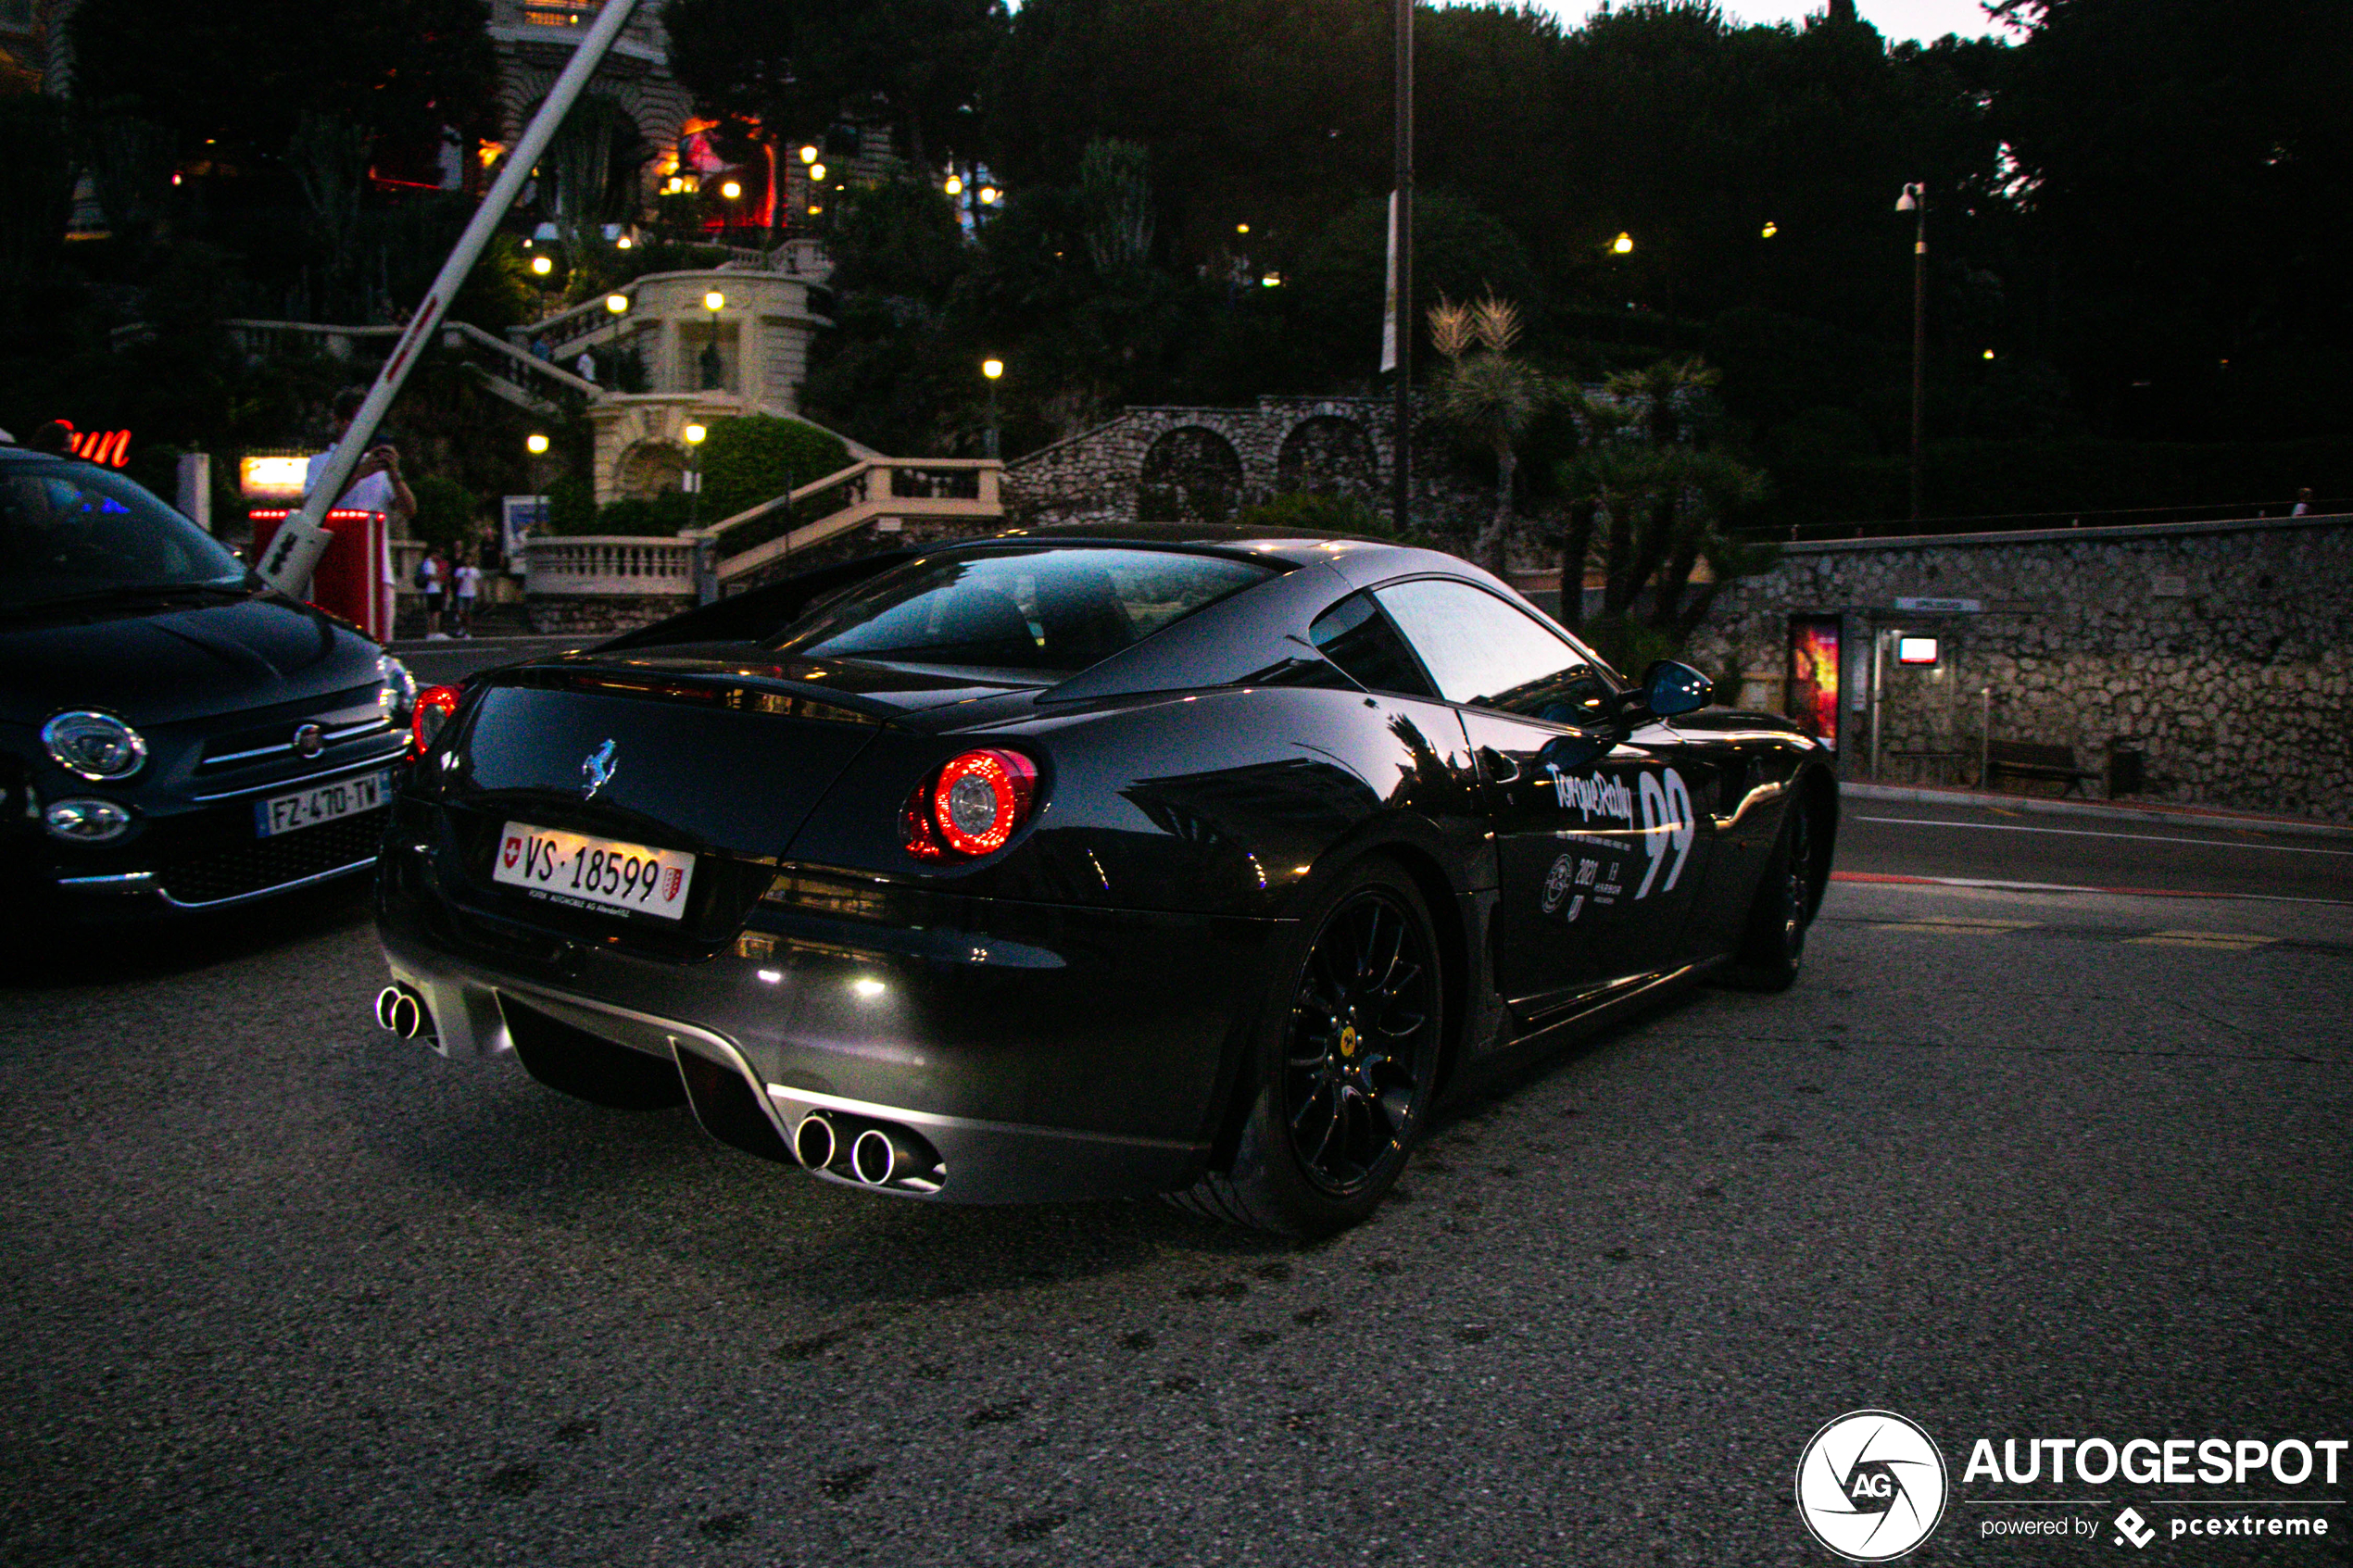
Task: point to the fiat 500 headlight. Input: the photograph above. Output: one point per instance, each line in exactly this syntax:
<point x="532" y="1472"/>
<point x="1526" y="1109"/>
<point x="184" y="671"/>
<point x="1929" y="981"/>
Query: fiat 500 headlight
<point x="95" y="745"/>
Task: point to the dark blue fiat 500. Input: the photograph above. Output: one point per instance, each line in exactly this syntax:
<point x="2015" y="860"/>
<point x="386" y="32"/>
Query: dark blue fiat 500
<point x="174" y="735"/>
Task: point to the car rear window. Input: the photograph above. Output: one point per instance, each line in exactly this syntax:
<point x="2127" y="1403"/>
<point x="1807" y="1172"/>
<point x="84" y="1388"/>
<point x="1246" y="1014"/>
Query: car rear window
<point x="1037" y="608"/>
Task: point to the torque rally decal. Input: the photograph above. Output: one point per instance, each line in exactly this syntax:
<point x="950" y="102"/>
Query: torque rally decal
<point x="1593" y="875"/>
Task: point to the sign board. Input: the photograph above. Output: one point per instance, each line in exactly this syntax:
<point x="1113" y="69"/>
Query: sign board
<point x="277" y="478"/>
<point x="1915" y="650"/>
<point x="1943" y="606"/>
<point x="518" y="517"/>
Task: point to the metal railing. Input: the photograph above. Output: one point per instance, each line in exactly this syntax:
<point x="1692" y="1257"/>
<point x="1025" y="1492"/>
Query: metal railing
<point x="870" y="491"/>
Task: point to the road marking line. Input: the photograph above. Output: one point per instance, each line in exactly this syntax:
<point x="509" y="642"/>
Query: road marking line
<point x="2215" y="941"/>
<point x="2087" y="832"/>
<point x="1892" y="879"/>
<point x="1960" y="926"/>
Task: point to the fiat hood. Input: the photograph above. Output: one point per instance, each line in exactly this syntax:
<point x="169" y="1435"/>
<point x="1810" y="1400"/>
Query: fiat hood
<point x="179" y="664"/>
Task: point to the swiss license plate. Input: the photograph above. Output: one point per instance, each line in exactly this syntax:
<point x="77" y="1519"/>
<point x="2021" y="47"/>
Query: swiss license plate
<point x="320" y="803"/>
<point x="605" y="873"/>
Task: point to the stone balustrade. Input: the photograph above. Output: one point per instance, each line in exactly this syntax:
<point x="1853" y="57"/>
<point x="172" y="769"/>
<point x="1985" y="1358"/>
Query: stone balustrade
<point x="608" y="564"/>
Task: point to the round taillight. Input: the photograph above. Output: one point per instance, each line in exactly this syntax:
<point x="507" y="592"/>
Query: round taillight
<point x="979" y="799"/>
<point x="435" y="705"/>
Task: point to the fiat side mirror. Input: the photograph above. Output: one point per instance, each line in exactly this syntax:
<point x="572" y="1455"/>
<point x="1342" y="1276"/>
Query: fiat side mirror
<point x="1670" y="689"/>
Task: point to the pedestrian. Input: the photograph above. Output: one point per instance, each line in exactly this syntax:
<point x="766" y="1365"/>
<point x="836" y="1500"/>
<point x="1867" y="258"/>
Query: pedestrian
<point x="428" y="587"/>
<point x="376" y="486"/>
<point x="586" y="367"/>
<point x="540" y="349"/>
<point x="468" y="583"/>
<point x="2303" y="502"/>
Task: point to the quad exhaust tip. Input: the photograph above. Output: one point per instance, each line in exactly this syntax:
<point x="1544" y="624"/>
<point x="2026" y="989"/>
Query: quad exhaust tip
<point x="874" y="1154"/>
<point x="401" y="1012"/>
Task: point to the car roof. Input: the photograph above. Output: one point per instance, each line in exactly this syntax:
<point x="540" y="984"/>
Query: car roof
<point x="1290" y="546"/>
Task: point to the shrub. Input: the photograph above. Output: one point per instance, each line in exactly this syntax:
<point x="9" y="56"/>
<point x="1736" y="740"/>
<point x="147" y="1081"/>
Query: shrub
<point x="664" y="514"/>
<point x="446" y="509"/>
<point x="758" y="456"/>
<point x="1325" y="514"/>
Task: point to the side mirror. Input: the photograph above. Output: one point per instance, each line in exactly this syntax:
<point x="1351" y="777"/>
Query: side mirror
<point x="1670" y="689"/>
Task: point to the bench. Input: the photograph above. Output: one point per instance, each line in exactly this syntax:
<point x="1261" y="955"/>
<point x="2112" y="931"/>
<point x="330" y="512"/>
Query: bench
<point x="2033" y="759"/>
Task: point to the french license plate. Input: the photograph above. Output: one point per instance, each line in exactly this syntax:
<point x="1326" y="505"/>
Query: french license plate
<point x="320" y="803"/>
<point x="605" y="873"/>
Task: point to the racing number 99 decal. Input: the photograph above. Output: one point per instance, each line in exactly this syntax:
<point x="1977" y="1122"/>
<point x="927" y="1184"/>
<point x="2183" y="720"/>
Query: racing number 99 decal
<point x="1667" y="825"/>
<point x="1594" y="875"/>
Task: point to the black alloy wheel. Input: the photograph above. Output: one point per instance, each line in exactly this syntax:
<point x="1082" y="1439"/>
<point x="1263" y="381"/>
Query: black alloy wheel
<point x="1361" y="1019"/>
<point x="1347" y="1050"/>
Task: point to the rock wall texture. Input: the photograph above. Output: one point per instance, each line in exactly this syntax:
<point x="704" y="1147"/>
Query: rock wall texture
<point x="2223" y="652"/>
<point x="601" y="614"/>
<point x="1206" y="465"/>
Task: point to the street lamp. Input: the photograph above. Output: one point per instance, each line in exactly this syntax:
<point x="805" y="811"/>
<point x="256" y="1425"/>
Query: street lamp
<point x="1623" y="245"/>
<point x="809" y="155"/>
<point x="1914" y="201"/>
<point x="955" y="186"/>
<point x="990" y="369"/>
<point x="732" y="190"/>
<point x="542" y="265"/>
<point x="816" y="174"/>
<point x="714" y="302"/>
<point x="693" y="435"/>
<point x="537" y="444"/>
<point x="618" y="304"/>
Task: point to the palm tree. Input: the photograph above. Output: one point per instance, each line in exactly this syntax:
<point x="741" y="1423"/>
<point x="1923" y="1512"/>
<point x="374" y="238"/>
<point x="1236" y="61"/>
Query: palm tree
<point x="1489" y="400"/>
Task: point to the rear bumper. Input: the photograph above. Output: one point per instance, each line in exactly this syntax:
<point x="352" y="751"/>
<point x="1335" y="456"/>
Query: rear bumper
<point x="1046" y="1053"/>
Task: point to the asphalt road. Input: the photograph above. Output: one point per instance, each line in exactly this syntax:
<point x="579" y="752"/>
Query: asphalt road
<point x="1998" y="843"/>
<point x="281" y="1291"/>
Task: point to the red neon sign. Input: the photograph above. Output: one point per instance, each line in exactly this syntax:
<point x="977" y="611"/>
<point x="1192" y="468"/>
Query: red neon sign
<point x="111" y="447"/>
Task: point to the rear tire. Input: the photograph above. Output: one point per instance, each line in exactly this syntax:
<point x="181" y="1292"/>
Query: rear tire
<point x="1344" y="1067"/>
<point x="1773" y="944"/>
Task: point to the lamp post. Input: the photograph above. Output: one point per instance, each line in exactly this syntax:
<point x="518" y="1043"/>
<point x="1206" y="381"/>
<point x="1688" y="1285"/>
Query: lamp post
<point x="536" y="446"/>
<point x="1914" y="201"/>
<point x="693" y="435"/>
<point x="1402" y="467"/>
<point x="706" y="550"/>
<point x="990" y="369"/>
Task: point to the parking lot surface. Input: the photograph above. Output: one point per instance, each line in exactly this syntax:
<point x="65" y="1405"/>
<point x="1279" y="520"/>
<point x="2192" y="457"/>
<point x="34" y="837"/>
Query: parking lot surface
<point x="2010" y="1163"/>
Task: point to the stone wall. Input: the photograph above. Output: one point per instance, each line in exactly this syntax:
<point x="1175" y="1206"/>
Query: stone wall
<point x="1209" y="464"/>
<point x="601" y="614"/>
<point x="2223" y="652"/>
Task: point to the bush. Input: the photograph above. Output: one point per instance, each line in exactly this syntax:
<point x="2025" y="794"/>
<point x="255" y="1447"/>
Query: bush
<point x="1326" y="514"/>
<point x="572" y="507"/>
<point x="665" y="514"/>
<point x="446" y="509"/>
<point x="758" y="456"/>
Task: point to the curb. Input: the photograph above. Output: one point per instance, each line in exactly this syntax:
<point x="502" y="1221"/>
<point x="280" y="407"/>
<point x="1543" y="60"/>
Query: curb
<point x="2103" y="810"/>
<point x="458" y="645"/>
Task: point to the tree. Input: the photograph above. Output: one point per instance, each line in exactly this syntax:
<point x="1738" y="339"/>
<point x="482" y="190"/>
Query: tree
<point x="2182" y="166"/>
<point x="1489" y="400"/>
<point x="792" y="68"/>
<point x="238" y="75"/>
<point x="1664" y="503"/>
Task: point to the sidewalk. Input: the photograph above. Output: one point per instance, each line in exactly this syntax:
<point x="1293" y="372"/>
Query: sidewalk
<point x="523" y="643"/>
<point x="2107" y="810"/>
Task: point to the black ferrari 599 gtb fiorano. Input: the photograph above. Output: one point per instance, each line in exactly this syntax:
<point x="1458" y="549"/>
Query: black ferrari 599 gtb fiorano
<point x="1141" y="860"/>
